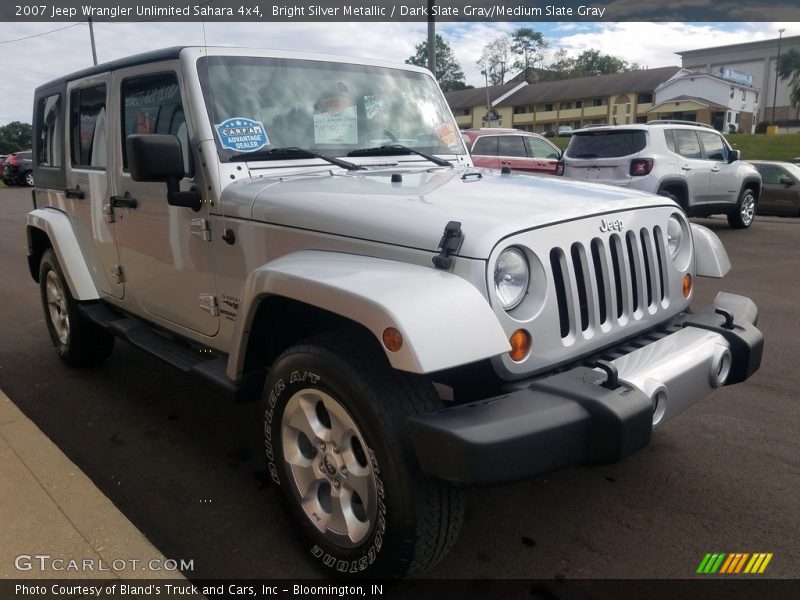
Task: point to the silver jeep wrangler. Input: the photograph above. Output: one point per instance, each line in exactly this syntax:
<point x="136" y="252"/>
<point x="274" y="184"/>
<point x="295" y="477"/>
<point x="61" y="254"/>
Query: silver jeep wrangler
<point x="311" y="232"/>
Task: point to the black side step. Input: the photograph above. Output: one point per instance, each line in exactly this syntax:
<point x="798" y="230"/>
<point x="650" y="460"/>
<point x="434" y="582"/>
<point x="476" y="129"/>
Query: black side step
<point x="189" y="360"/>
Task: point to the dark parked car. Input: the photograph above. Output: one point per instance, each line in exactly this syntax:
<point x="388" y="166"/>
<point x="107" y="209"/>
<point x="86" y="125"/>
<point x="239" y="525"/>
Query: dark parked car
<point x="495" y="148"/>
<point x="780" y="191"/>
<point x="18" y="169"/>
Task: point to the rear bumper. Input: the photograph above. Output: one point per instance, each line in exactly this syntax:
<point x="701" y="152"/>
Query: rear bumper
<point x="578" y="416"/>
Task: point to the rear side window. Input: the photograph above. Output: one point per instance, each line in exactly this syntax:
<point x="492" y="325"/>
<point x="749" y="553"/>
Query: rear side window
<point x="606" y="144"/>
<point x="486" y="146"/>
<point x="539" y="148"/>
<point x="50" y="128"/>
<point x="511" y="145"/>
<point x="152" y="104"/>
<point x="88" y="127"/>
<point x="686" y="143"/>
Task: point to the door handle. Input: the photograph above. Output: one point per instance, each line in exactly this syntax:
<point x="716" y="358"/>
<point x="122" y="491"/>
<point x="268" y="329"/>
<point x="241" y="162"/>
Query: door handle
<point x="124" y="201"/>
<point x="715" y="169"/>
<point x="686" y="168"/>
<point x="76" y="193"/>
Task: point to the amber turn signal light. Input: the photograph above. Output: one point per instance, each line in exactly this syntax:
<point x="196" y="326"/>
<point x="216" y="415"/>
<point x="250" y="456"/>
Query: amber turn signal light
<point x="392" y="339"/>
<point x="687" y="285"/>
<point x="520" y="345"/>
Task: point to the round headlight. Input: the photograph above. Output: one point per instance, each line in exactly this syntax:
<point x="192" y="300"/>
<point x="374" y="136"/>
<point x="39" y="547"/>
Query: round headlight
<point x="511" y="275"/>
<point x="674" y="235"/>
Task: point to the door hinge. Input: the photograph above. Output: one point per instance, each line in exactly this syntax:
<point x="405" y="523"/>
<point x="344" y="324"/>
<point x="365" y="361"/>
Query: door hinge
<point x="117" y="275"/>
<point x="201" y="227"/>
<point x="208" y="302"/>
<point x="108" y="213"/>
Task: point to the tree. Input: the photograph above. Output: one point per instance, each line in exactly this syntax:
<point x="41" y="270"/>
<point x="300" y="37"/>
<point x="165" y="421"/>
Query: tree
<point x="789" y="68"/>
<point x="529" y="46"/>
<point x="15" y="136"/>
<point x="495" y="59"/>
<point x="589" y="62"/>
<point x="448" y="71"/>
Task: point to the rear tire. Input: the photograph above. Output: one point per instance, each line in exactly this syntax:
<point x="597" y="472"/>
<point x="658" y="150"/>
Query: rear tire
<point x="78" y="341"/>
<point x="28" y="179"/>
<point x="336" y="438"/>
<point x="745" y="212"/>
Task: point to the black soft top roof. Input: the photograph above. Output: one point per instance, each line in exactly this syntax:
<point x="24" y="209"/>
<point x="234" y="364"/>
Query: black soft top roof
<point x="128" y="61"/>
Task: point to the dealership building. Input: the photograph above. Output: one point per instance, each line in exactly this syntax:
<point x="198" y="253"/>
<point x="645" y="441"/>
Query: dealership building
<point x="728" y="87"/>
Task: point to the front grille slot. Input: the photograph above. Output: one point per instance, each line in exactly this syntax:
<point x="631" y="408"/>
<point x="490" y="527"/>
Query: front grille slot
<point x="607" y="278"/>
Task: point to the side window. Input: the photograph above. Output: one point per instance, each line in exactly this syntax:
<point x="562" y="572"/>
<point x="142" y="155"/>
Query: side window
<point x="771" y="174"/>
<point x="50" y="126"/>
<point x="670" y="140"/>
<point x="510" y="145"/>
<point x="486" y="146"/>
<point x="88" y="127"/>
<point x="687" y="144"/>
<point x="539" y="148"/>
<point x="713" y="145"/>
<point x="152" y="104"/>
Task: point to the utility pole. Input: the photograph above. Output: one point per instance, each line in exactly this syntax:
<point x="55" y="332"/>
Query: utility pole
<point x="431" y="39"/>
<point x="485" y="74"/>
<point x="91" y="36"/>
<point x="777" y="62"/>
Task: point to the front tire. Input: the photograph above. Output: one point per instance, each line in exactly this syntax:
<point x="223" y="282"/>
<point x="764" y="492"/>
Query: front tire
<point x="745" y="212"/>
<point x="335" y="426"/>
<point x="78" y="341"/>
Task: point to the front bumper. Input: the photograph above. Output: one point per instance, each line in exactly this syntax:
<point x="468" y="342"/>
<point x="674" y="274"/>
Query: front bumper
<point x="582" y="416"/>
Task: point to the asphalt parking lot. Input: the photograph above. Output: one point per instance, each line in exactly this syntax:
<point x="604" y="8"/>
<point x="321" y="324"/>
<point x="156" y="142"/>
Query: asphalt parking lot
<point x="185" y="467"/>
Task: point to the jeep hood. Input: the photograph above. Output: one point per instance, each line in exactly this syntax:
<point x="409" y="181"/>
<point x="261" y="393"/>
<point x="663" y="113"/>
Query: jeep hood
<point x="413" y="212"/>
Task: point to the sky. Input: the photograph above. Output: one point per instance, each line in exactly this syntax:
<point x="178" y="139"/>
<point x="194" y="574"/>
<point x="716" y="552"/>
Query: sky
<point x="31" y="62"/>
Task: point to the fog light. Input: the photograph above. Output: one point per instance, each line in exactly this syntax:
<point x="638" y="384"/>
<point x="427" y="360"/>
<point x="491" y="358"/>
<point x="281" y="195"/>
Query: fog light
<point x="392" y="339"/>
<point x="520" y="345"/>
<point x="687" y="285"/>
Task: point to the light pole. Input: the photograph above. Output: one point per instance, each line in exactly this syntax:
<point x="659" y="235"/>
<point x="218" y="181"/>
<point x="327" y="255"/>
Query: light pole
<point x="431" y="39"/>
<point x="485" y="74"/>
<point x="777" y="61"/>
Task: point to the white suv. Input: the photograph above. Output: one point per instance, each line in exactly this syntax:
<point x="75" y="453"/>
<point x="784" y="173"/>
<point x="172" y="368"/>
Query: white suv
<point x="688" y="162"/>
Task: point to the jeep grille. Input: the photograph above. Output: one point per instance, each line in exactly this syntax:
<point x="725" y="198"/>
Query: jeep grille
<point x="617" y="278"/>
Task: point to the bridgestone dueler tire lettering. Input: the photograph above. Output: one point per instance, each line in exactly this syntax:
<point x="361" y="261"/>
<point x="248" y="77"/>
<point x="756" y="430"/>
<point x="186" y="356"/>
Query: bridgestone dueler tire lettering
<point x="419" y="519"/>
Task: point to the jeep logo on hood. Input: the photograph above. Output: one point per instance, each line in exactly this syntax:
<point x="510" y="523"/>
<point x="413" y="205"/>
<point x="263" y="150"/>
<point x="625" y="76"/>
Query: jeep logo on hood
<point x="610" y="225"/>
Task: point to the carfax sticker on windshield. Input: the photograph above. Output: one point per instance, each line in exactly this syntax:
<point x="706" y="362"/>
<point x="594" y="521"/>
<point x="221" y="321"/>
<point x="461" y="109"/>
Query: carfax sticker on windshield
<point x="241" y="134"/>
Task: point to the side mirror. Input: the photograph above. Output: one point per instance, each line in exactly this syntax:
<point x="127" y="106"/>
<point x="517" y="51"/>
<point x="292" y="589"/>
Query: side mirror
<point x="158" y="157"/>
<point x="733" y="156"/>
<point x="786" y="180"/>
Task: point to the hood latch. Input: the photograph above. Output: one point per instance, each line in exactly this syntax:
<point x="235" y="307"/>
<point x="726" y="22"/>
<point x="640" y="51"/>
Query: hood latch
<point x="449" y="244"/>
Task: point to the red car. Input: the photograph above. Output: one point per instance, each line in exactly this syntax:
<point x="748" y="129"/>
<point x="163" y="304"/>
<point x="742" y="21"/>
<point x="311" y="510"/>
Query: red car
<point x="496" y="148"/>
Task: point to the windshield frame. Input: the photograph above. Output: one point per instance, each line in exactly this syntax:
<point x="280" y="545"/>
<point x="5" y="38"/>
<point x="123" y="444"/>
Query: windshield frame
<point x="226" y="155"/>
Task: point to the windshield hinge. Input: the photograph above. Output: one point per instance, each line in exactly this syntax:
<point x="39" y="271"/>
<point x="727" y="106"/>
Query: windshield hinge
<point x="449" y="244"/>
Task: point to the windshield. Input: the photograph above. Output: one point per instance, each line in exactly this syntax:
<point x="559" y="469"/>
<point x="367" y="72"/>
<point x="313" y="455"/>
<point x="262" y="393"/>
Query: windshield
<point x="257" y="104"/>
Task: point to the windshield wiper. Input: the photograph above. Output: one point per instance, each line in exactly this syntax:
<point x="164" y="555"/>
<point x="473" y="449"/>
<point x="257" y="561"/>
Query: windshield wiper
<point x="399" y="149"/>
<point x="294" y="151"/>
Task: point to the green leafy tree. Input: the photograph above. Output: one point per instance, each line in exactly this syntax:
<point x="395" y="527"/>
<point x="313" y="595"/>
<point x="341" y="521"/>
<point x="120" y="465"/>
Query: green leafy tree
<point x="448" y="72"/>
<point x="789" y="68"/>
<point x="15" y="136"/>
<point x="589" y="62"/>
<point x="496" y="59"/>
<point x="528" y="46"/>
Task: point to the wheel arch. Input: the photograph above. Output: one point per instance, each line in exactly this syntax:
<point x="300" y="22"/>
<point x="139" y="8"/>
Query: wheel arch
<point x="676" y="185"/>
<point x="49" y="228"/>
<point x="443" y="319"/>
<point x="753" y="183"/>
